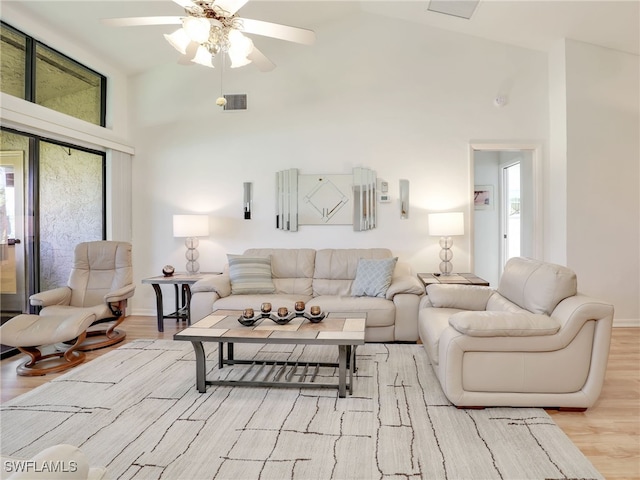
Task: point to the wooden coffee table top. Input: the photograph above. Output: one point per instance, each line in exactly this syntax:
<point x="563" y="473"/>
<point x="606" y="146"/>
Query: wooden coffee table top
<point x="223" y="326"/>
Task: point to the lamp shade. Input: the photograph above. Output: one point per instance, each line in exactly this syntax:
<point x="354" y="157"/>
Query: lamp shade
<point x="446" y="224"/>
<point x="190" y="225"/>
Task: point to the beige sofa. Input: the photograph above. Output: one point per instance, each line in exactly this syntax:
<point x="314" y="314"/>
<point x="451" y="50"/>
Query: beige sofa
<point x="323" y="278"/>
<point x="533" y="342"/>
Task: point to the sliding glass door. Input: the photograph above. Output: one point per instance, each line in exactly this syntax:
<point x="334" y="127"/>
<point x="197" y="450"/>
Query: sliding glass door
<point x="52" y="197"/>
<point x="71" y="207"/>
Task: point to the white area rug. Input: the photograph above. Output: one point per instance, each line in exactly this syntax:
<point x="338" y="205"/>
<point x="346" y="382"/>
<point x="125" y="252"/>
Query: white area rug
<point x="136" y="411"/>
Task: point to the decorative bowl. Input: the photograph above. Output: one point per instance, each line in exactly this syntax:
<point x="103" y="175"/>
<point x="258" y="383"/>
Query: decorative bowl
<point x="168" y="270"/>
<point x="315" y="318"/>
<point x="249" y="321"/>
<point x="282" y="320"/>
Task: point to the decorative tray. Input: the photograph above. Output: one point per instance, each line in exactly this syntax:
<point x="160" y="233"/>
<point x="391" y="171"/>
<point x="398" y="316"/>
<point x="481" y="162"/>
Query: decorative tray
<point x="250" y="321"/>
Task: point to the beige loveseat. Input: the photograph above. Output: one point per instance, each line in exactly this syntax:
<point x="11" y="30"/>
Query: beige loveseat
<point x="534" y="342"/>
<point x="324" y="278"/>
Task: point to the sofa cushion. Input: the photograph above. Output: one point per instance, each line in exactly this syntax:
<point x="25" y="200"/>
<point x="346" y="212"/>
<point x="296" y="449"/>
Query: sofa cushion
<point x="250" y="274"/>
<point x="373" y="277"/>
<point x="503" y="324"/>
<point x="536" y="286"/>
<point x="277" y="300"/>
<point x="291" y="268"/>
<point x="380" y="312"/>
<point x="335" y="269"/>
<point x="464" y="297"/>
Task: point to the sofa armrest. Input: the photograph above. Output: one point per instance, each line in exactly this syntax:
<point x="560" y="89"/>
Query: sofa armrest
<point x="404" y="284"/>
<point x="503" y="324"/>
<point x="120" y="294"/>
<point x="220" y="284"/>
<point x="463" y="297"/>
<point x="55" y="296"/>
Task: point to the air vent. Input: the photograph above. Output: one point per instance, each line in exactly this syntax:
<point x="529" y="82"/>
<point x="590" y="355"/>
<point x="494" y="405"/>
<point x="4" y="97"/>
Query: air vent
<point x="456" y="8"/>
<point x="236" y="101"/>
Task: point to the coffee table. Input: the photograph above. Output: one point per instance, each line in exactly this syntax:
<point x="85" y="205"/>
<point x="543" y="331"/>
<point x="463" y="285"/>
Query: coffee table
<point x="345" y="330"/>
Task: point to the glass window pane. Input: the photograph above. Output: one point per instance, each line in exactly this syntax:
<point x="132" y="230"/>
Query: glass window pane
<point x="66" y="86"/>
<point x="13" y="48"/>
<point x="71" y="208"/>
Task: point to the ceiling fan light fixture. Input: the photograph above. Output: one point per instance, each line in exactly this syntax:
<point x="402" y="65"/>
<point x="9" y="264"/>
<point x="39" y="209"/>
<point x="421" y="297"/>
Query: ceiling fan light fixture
<point x="203" y="57"/>
<point x="239" y="49"/>
<point x="197" y="28"/>
<point x="179" y="40"/>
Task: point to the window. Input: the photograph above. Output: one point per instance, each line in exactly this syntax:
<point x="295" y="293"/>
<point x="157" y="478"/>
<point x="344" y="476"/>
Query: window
<point x="13" y="54"/>
<point x="40" y="74"/>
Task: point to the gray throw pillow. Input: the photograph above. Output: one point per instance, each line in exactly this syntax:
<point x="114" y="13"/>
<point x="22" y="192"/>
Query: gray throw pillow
<point x="250" y="275"/>
<point x="373" y="277"/>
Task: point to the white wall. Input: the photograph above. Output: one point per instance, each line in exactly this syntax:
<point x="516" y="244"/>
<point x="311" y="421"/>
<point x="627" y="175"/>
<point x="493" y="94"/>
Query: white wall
<point x="603" y="175"/>
<point x="408" y="107"/>
<point x="487" y="222"/>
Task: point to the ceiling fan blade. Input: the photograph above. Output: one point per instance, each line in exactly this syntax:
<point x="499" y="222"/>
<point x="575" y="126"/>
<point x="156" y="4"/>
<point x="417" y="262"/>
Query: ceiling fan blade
<point x="141" y="21"/>
<point x="260" y="60"/>
<point x="184" y="3"/>
<point x="229" y="6"/>
<point x="275" y="30"/>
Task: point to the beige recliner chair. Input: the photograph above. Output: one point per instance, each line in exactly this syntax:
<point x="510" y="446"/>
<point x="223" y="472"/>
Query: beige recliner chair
<point x="99" y="286"/>
<point x="100" y="282"/>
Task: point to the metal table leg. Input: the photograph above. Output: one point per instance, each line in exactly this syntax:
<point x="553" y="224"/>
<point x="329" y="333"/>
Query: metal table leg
<point x="201" y="367"/>
<point x="342" y="371"/>
<point x="159" y="311"/>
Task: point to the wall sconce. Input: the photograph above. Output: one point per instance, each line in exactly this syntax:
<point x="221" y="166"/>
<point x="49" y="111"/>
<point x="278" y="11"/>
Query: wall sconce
<point x="248" y="198"/>
<point x="191" y="227"/>
<point x="445" y="225"/>
<point x="404" y="199"/>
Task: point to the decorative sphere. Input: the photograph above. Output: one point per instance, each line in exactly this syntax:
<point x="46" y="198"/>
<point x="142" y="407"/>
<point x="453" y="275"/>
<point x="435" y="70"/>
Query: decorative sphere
<point x="192" y="254"/>
<point x="446" y="255"/>
<point x="168" y="270"/>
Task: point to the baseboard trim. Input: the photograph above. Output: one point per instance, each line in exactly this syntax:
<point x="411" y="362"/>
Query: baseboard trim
<point x="626" y="322"/>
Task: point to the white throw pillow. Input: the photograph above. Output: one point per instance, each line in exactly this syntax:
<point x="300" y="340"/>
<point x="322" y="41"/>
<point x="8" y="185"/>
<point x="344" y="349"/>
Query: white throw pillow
<point x="373" y="277"/>
<point x="250" y="275"/>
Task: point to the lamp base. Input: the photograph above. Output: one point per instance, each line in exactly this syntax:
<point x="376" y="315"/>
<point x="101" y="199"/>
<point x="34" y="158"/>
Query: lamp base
<point x="446" y="267"/>
<point x="192" y="254"/>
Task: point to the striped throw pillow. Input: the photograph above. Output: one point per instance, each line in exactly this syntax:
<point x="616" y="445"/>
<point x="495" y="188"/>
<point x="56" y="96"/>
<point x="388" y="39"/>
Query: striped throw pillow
<point x="250" y="275"/>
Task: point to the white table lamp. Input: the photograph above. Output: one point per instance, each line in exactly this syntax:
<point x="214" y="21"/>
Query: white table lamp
<point x="191" y="227"/>
<point x="446" y="225"/>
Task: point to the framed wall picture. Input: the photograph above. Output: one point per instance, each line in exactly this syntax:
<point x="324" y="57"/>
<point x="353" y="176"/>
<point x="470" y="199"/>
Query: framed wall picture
<point x="483" y="198"/>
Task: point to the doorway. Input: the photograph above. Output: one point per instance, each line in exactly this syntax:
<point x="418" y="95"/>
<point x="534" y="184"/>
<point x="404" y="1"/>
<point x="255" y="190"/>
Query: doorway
<point x="507" y="222"/>
<point x="12" y="241"/>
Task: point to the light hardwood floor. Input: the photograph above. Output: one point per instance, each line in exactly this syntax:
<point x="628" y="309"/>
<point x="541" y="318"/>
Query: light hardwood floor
<point x="608" y="433"/>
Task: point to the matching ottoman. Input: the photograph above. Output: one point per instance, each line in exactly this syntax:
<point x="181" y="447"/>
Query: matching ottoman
<point x="28" y="332"/>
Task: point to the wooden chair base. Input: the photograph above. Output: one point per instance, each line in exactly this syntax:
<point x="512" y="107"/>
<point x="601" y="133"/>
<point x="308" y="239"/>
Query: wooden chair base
<point x="100" y="335"/>
<point x="101" y="338"/>
<point x="55" y="362"/>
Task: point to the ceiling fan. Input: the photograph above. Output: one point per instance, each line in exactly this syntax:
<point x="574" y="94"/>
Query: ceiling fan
<point x="213" y="26"/>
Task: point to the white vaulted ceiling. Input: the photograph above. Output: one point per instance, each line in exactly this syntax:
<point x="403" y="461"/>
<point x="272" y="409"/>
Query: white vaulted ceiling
<point x="530" y="24"/>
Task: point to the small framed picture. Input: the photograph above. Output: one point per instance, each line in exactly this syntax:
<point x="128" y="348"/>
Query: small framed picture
<point x="483" y="198"/>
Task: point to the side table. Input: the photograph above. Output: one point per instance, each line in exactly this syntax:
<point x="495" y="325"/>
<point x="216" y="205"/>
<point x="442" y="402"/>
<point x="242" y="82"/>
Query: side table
<point x="182" y="285"/>
<point x="454" y="278"/>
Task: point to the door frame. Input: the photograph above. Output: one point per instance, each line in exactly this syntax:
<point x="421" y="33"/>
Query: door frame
<point x="18" y="302"/>
<point x="536" y="155"/>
